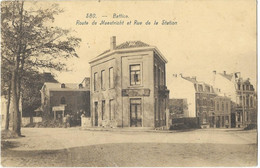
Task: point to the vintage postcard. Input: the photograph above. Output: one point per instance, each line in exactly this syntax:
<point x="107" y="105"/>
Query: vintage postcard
<point x="142" y="83"/>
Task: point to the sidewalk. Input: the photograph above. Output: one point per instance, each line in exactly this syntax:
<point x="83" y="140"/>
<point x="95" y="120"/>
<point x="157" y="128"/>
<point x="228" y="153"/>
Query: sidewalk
<point x="134" y="129"/>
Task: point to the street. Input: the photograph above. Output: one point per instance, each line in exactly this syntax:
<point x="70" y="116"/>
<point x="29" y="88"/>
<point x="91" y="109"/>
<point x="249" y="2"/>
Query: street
<point x="92" y="148"/>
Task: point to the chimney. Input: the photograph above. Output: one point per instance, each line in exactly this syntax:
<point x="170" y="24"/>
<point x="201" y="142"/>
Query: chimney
<point x="113" y="43"/>
<point x="194" y="77"/>
<point x="224" y="72"/>
<point x="214" y="77"/>
<point x="180" y="74"/>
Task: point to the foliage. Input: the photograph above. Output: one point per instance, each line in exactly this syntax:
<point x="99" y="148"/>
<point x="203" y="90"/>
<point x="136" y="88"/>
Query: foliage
<point x="32" y="83"/>
<point x="29" y="43"/>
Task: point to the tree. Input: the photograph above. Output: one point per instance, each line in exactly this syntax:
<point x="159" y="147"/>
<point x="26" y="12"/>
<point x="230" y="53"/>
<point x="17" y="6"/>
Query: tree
<point x="32" y="83"/>
<point x="29" y="43"/>
<point x="6" y="89"/>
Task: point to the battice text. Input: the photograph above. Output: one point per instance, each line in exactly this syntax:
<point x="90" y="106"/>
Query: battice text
<point x="115" y="15"/>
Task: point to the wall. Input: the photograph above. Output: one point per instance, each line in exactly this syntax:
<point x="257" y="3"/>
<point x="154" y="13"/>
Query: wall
<point x="145" y="59"/>
<point x="182" y="89"/>
<point x="75" y="101"/>
<point x="107" y="93"/>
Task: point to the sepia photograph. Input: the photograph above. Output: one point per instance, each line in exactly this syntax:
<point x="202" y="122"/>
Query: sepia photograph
<point x="142" y="83"/>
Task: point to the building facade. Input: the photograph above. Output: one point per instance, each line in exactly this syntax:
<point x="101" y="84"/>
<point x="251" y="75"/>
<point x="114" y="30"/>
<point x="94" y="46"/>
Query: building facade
<point x="60" y="99"/>
<point x="221" y="117"/>
<point x="128" y="86"/>
<point x="190" y="98"/>
<point x="243" y="97"/>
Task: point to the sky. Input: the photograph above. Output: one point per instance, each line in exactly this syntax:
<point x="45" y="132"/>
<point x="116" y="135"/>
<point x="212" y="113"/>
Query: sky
<point x="209" y="35"/>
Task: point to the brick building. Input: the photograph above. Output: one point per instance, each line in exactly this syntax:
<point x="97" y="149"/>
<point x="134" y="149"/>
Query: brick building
<point x="242" y="94"/>
<point x="60" y="99"/>
<point x="128" y="86"/>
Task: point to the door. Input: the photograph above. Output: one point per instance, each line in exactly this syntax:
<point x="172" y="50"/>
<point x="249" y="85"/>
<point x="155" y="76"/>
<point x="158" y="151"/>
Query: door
<point x="96" y="113"/>
<point x="135" y="113"/>
<point x="233" y="120"/>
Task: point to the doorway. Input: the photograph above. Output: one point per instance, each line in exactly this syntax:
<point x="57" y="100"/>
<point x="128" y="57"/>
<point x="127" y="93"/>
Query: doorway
<point x="96" y="113"/>
<point x="135" y="112"/>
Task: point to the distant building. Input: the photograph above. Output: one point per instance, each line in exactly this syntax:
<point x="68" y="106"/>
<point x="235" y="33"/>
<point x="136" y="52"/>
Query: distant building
<point x="194" y="99"/>
<point x="242" y="94"/>
<point x="221" y="117"/>
<point x="128" y="86"/>
<point x="60" y="99"/>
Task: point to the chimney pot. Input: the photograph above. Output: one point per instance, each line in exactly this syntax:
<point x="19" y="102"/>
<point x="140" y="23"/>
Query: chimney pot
<point x="214" y="71"/>
<point x="224" y="72"/>
<point x="113" y="43"/>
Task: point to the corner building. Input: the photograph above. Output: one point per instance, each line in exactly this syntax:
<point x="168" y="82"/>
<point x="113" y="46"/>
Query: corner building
<point x="128" y="86"/>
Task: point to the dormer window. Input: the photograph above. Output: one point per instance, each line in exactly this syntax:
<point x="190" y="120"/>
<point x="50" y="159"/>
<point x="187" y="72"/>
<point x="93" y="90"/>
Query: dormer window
<point x="62" y="85"/>
<point x="80" y="86"/>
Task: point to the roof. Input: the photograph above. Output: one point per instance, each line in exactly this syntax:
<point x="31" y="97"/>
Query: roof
<point x="227" y="76"/>
<point x="193" y="80"/>
<point x="57" y="86"/>
<point x="128" y="44"/>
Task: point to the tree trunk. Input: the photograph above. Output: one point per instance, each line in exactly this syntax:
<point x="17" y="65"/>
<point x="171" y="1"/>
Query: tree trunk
<point x="16" y="113"/>
<point x="8" y="106"/>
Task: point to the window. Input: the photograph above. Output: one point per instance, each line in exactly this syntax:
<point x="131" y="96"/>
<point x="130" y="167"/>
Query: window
<point x="135" y="74"/>
<point x="103" y="109"/>
<point x="204" y="102"/>
<point x="62" y="85"/>
<point x="238" y="86"/>
<point x="200" y="88"/>
<point x="247" y="101"/>
<point x="155" y="75"/>
<point x="62" y="100"/>
<point x="207" y="88"/>
<point x="212" y="103"/>
<point x="240" y="100"/>
<point x="162" y="78"/>
<point x="102" y="79"/>
<point x="96" y="113"/>
<point x="217" y="106"/>
<point x="155" y="109"/>
<point x="251" y="101"/>
<point x="95" y="81"/>
<point x="223" y="107"/>
<point x="227" y="106"/>
<point x="111" y="110"/>
<point x="159" y="76"/>
<point x="111" y="77"/>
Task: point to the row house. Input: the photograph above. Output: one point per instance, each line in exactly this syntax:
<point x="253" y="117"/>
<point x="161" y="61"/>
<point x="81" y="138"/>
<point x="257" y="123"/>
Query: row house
<point x="242" y="94"/>
<point x="128" y="86"/>
<point x="221" y="118"/>
<point x="199" y="100"/>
